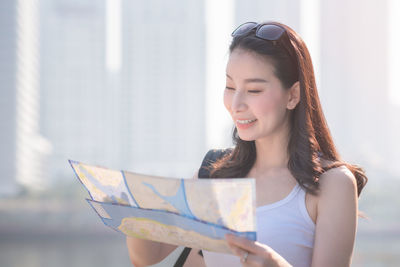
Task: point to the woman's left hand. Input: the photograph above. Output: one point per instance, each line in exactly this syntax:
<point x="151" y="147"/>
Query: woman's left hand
<point x="252" y="253"/>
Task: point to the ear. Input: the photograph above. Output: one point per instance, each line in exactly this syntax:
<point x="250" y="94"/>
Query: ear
<point x="293" y="96"/>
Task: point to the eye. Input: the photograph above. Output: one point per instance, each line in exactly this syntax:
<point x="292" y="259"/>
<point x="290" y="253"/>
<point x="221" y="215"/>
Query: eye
<point x="229" y="88"/>
<point x="254" y="91"/>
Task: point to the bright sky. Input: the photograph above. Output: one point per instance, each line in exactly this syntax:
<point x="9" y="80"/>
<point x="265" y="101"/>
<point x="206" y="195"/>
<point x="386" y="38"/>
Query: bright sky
<point x="394" y="52"/>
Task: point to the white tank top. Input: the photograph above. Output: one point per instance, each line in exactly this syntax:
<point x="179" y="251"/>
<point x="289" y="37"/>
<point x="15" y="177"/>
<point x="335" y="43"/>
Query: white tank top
<point x="285" y="226"/>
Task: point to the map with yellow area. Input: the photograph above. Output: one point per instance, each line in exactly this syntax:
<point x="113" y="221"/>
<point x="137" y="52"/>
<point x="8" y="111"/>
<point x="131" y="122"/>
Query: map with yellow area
<point x="195" y="213"/>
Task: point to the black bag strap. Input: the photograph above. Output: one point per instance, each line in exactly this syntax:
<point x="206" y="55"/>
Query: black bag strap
<point x="182" y="258"/>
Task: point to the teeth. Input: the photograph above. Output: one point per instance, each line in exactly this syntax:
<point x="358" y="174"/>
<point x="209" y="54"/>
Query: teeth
<point x="245" y="121"/>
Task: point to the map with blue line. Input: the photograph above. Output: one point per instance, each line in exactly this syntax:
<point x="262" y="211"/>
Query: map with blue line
<point x="195" y="213"/>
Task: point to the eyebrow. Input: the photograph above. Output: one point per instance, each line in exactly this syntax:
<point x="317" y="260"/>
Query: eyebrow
<point x="251" y="80"/>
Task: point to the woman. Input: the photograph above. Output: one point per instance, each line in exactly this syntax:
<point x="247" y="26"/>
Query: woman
<point x="306" y="194"/>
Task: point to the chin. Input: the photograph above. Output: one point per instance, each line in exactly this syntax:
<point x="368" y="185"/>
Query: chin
<point x="246" y="138"/>
<point x="253" y="137"/>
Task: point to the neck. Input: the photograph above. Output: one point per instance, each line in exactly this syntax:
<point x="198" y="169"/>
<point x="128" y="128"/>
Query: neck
<point x="272" y="152"/>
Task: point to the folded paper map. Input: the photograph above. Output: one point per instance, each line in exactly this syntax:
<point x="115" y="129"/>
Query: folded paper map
<point x="195" y="213"/>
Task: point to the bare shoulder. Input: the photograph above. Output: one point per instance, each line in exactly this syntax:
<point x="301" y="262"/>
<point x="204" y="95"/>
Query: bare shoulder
<point x="337" y="179"/>
<point x="338" y="191"/>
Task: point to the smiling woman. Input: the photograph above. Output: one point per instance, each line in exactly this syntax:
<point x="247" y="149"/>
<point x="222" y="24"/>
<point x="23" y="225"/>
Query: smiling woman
<point x="282" y="139"/>
<point x="307" y="196"/>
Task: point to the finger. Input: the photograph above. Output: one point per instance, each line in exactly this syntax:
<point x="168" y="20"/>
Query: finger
<point x="244" y="243"/>
<point x="236" y="250"/>
<point x="241" y="253"/>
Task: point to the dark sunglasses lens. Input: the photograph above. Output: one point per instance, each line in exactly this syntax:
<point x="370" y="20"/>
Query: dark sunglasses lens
<point x="270" y="32"/>
<point x="244" y="28"/>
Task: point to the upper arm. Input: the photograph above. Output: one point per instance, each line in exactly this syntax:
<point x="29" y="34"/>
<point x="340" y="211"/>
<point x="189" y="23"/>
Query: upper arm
<point x="144" y="252"/>
<point x="337" y="218"/>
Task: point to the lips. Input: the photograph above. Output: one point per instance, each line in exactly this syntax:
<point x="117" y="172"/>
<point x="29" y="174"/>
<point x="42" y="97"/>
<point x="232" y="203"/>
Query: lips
<point x="244" y="124"/>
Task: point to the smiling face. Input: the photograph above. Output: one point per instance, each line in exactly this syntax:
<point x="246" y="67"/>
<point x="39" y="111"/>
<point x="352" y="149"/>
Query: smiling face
<point x="255" y="98"/>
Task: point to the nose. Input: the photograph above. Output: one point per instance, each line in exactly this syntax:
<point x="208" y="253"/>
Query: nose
<point x="238" y="102"/>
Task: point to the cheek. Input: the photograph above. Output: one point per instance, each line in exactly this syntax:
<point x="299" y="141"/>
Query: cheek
<point x="270" y="105"/>
<point x="227" y="100"/>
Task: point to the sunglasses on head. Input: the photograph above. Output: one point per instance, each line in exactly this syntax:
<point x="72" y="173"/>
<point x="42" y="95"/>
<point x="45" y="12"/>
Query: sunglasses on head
<point x="270" y="32"/>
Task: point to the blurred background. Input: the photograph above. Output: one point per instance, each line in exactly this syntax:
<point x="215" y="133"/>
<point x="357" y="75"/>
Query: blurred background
<point x="137" y="85"/>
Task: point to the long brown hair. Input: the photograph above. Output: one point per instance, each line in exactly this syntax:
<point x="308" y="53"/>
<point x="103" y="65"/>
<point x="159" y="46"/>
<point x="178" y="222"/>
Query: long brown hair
<point x="309" y="138"/>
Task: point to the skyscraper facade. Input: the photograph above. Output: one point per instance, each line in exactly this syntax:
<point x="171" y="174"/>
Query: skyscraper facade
<point x="162" y="83"/>
<point x="148" y="114"/>
<point x="8" y="97"/>
<point x="76" y="106"/>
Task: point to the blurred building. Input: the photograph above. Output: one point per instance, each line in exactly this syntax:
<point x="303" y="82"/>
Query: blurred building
<point x="163" y="86"/>
<point x="8" y="97"/>
<point x="146" y="114"/>
<point x="61" y="99"/>
<point x="24" y="150"/>
<point x="354" y="81"/>
<point x="78" y="110"/>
